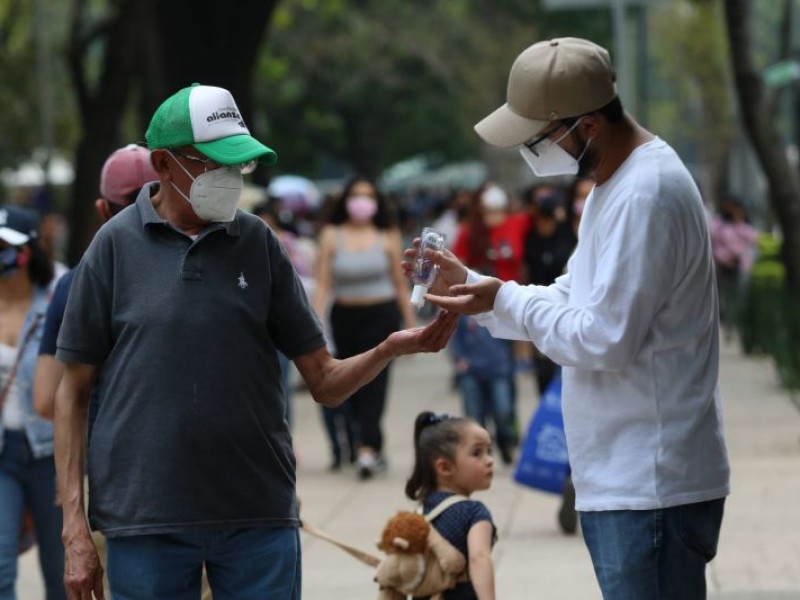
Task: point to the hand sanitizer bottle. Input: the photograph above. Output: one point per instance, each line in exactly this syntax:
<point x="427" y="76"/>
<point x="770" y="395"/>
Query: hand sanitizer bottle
<point x="425" y="270"/>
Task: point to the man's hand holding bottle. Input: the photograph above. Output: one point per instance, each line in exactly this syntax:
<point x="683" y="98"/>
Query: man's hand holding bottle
<point x="450" y="291"/>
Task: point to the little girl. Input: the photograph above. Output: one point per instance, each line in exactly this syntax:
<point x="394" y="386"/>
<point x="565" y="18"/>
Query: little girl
<point x="453" y="455"/>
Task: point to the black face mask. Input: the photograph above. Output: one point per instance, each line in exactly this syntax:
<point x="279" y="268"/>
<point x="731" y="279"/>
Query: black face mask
<point x="9" y="261"/>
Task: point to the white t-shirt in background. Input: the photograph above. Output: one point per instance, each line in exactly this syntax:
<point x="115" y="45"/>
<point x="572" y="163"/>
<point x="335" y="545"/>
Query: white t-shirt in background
<point x="13" y="417"/>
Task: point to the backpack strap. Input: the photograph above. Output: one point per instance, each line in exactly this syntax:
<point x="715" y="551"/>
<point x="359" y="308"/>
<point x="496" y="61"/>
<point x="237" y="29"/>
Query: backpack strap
<point x="444" y="505"/>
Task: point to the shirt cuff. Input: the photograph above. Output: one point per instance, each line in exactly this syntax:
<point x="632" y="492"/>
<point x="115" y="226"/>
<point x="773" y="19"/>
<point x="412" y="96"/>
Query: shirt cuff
<point x="473" y="277"/>
<point x="507" y="296"/>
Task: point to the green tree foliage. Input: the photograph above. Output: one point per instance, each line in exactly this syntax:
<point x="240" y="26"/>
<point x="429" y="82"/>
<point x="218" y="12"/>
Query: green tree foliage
<point x="366" y="83"/>
<point x="19" y="94"/>
<point x="368" y="86"/>
<point x="693" y="104"/>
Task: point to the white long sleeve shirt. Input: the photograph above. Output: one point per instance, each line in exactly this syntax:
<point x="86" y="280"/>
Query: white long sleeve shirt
<point x="634" y="323"/>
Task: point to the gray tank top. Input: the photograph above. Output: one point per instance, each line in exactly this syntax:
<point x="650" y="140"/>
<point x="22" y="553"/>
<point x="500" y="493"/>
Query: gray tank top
<point x="364" y="274"/>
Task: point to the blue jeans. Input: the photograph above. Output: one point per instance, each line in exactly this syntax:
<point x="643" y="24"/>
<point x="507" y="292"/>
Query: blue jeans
<point x="242" y="564"/>
<point x="31" y="482"/>
<point x="653" y="554"/>
<point x="490" y="397"/>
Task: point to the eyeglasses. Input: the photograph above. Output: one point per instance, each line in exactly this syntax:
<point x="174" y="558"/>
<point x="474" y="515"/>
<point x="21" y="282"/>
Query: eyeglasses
<point x="210" y="165"/>
<point x="538" y="140"/>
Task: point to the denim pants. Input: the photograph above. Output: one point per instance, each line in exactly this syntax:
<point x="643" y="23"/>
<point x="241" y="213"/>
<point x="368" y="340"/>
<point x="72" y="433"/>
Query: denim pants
<point x="653" y="554"/>
<point x="31" y="482"/>
<point x="242" y="564"/>
<point x="489" y="397"/>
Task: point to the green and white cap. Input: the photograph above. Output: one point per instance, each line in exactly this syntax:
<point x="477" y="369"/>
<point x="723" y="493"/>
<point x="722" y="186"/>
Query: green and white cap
<point x="207" y="118"/>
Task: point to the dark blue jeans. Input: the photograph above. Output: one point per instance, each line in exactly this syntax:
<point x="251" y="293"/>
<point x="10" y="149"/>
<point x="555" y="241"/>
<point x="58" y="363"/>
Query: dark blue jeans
<point x="242" y="564"/>
<point x="25" y="480"/>
<point x="491" y="397"/>
<point x="653" y="554"/>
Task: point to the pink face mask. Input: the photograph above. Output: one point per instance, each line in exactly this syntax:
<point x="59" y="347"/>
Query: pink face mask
<point x="361" y="208"/>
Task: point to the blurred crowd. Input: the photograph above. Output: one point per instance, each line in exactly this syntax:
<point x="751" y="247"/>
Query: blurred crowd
<point x="346" y="249"/>
<point x="339" y="251"/>
<point x="524" y="235"/>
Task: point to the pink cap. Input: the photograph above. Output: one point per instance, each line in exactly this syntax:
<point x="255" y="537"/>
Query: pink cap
<point x="124" y="172"/>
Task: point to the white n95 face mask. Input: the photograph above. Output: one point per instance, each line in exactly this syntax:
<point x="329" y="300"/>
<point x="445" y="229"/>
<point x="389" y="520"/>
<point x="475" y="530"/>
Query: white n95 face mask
<point x="548" y="159"/>
<point x="215" y="194"/>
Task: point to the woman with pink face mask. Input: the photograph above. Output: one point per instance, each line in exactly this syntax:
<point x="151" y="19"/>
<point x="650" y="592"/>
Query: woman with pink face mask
<point x="359" y="279"/>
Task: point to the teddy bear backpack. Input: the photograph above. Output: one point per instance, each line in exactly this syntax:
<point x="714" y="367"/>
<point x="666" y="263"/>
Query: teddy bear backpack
<point x="418" y="561"/>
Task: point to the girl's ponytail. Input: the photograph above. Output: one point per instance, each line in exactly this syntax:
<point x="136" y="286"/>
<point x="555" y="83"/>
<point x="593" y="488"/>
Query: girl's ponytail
<point x="435" y="436"/>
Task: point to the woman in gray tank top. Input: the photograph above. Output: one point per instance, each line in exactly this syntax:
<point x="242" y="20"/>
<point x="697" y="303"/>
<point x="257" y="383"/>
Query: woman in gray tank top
<point x="362" y="293"/>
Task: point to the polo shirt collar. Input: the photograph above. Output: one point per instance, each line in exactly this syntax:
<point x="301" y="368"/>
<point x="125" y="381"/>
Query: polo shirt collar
<point x="150" y="217"/>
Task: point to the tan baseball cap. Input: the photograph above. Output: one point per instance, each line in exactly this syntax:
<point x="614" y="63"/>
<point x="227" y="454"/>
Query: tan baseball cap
<point x="551" y="80"/>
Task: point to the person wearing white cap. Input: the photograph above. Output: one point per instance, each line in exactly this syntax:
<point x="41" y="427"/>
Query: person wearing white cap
<point x="27" y="468"/>
<point x="181" y="304"/>
<point x="634" y="322"/>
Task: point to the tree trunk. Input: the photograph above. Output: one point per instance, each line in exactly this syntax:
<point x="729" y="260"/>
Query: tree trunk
<point x="213" y="43"/>
<point x="760" y="125"/>
<point x="101" y="112"/>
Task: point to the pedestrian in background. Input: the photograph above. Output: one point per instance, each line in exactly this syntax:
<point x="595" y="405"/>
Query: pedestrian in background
<point x="27" y="467"/>
<point x="358" y="275"/>
<point x="492" y="240"/>
<point x="633" y="323"/>
<point x="302" y="255"/>
<point x="485" y="370"/>
<point x="548" y="246"/>
<point x="733" y="240"/>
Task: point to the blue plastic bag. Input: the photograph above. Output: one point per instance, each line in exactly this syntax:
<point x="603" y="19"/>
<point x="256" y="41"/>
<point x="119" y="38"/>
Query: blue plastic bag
<point x="543" y="463"/>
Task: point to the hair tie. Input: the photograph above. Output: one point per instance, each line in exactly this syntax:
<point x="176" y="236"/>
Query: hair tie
<point x="434" y="419"/>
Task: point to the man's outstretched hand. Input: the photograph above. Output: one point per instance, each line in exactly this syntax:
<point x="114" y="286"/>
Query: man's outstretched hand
<point x="449" y="291"/>
<point x="468" y="299"/>
<point x="431" y="338"/>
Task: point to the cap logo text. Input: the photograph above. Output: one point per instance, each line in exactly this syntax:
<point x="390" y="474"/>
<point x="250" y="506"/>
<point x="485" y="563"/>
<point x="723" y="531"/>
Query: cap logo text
<point x="225" y="113"/>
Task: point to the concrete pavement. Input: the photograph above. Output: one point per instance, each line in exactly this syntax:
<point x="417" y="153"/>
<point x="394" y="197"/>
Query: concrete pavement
<point x="759" y="554"/>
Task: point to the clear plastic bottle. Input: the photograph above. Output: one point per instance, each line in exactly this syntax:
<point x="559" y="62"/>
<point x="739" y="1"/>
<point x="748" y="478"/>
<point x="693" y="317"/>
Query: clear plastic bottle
<point x="425" y="270"/>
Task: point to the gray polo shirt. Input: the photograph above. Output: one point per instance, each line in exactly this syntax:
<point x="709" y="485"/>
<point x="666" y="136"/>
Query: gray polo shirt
<point x="191" y="431"/>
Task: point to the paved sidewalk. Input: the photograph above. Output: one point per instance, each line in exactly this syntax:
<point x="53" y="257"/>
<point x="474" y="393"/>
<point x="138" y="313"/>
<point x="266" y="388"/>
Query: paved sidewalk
<point x="759" y="555"/>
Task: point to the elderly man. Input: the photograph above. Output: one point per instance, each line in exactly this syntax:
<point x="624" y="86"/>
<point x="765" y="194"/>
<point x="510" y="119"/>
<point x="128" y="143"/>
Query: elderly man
<point x="633" y="322"/>
<point x="181" y="304"/>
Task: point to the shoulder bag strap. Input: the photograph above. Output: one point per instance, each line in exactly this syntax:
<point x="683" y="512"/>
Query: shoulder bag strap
<point x="13" y="373"/>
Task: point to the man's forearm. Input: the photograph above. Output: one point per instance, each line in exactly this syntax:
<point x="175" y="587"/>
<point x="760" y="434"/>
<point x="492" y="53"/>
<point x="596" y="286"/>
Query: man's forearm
<point x="70" y="448"/>
<point x="332" y="381"/>
<point x="337" y="380"/>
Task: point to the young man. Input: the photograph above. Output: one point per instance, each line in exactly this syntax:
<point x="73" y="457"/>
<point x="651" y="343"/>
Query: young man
<point x="634" y="323"/>
<point x="181" y="304"/>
